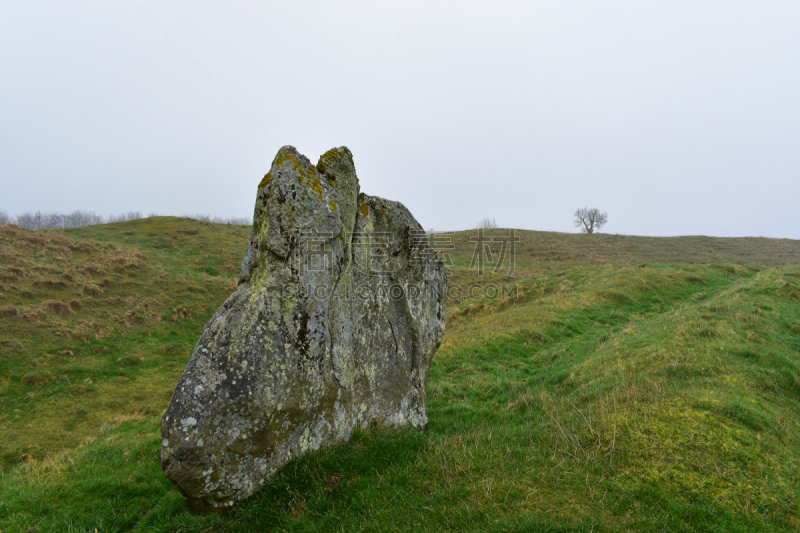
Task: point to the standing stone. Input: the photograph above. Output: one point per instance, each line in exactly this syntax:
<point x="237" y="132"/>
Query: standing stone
<point x="339" y="310"/>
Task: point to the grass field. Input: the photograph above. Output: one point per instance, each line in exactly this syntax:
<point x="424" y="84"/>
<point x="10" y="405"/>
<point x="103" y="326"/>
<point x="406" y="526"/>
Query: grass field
<point x="635" y="384"/>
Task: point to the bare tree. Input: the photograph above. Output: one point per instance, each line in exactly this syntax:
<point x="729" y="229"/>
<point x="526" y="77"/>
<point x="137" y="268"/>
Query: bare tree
<point x="30" y="220"/>
<point x="78" y="219"/>
<point x="590" y="220"/>
<point x="219" y="220"/>
<point x="242" y="221"/>
<point x="199" y="217"/>
<point x="4" y="218"/>
<point x="125" y="217"/>
<point x="487" y="223"/>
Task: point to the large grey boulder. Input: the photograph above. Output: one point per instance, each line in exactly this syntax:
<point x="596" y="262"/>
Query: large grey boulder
<point x="339" y="310"/>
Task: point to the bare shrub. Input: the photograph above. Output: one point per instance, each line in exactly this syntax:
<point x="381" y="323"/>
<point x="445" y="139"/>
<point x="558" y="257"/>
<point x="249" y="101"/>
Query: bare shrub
<point x="487" y="223"/>
<point x="219" y="220"/>
<point x="125" y="217"/>
<point x="78" y="218"/>
<point x="200" y="217"/>
<point x="29" y="220"/>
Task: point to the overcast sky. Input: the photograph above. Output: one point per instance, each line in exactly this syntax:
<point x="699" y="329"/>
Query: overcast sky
<point x="676" y="117"/>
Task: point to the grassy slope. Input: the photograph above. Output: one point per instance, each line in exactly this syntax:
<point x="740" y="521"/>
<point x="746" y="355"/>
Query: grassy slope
<point x="539" y="252"/>
<point x="100" y="322"/>
<point x="607" y="398"/>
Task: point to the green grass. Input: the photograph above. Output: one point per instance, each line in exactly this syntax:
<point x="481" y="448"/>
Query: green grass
<point x="539" y="252"/>
<point x="609" y="396"/>
<point x="102" y="322"/>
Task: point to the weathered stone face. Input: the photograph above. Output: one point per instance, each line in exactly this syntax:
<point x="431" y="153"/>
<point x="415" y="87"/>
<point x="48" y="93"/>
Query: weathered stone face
<point x="339" y="310"/>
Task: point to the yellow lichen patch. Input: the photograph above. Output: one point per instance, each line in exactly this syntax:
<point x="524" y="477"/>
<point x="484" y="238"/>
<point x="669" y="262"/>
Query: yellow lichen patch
<point x="327" y="158"/>
<point x="333" y="206"/>
<point x="316" y="187"/>
<point x="364" y="210"/>
<point x="283" y="157"/>
<point x="265" y="181"/>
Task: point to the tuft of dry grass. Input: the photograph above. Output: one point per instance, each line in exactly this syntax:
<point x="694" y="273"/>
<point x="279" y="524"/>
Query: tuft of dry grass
<point x="9" y="310"/>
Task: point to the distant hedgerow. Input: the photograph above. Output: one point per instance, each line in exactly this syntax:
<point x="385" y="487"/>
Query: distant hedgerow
<point x="79" y="219"/>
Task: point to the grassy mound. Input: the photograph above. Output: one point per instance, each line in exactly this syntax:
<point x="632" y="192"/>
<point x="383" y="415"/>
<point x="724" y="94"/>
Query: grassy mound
<point x="606" y="397"/>
<point x="103" y="321"/>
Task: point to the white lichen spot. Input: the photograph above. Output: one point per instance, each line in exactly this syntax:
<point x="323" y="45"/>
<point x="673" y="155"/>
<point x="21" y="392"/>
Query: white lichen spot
<point x="210" y="377"/>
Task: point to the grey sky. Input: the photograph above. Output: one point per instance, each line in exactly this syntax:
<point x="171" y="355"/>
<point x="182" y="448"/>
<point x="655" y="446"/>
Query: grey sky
<point x="676" y="117"/>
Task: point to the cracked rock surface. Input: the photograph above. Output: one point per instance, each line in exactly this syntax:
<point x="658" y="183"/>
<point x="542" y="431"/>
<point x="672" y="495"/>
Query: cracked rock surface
<point x="339" y="310"/>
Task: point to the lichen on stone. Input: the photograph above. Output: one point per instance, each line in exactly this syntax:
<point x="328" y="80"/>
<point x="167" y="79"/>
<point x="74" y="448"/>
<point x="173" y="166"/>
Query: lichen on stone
<point x="333" y="325"/>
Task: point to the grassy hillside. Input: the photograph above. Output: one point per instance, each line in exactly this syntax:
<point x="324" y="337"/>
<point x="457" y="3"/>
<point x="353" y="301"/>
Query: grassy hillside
<point x="636" y="384"/>
<point x="98" y="322"/>
<point x="539" y="252"/>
